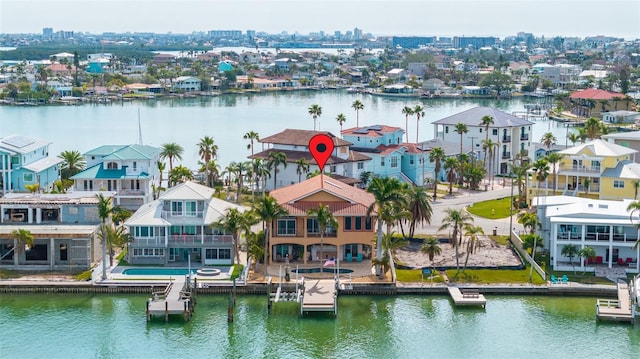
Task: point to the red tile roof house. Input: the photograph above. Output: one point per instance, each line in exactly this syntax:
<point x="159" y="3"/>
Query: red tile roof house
<point x="344" y="164"/>
<point x="593" y="102"/>
<point x="297" y="237"/>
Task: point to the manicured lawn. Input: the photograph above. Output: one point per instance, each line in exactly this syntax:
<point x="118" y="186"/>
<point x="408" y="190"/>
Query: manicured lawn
<point x="493" y="209"/>
<point x="584" y="278"/>
<point x="494" y="276"/>
<point x="415" y="275"/>
<point x="7" y="274"/>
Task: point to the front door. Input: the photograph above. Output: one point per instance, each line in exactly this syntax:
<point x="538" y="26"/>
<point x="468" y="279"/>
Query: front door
<point x="172" y="254"/>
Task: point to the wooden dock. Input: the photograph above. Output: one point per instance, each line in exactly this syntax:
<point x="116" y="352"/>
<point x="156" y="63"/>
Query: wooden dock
<point x="320" y="295"/>
<point x="616" y="309"/>
<point x="467" y="297"/>
<point x="175" y="299"/>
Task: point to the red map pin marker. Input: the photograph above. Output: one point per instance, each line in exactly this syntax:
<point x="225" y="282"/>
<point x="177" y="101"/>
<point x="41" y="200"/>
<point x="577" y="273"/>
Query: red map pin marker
<point x="321" y="148"/>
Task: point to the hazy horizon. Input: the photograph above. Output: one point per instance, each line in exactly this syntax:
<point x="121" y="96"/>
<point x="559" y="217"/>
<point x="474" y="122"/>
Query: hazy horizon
<point x="500" y="18"/>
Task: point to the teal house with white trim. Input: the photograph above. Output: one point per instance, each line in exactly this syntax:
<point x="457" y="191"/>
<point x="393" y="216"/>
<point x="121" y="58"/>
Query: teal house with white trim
<point x="130" y="171"/>
<point x="26" y="161"/>
<point x="390" y="157"/>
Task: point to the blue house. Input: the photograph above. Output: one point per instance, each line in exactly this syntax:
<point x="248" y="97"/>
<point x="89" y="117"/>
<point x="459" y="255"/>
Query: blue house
<point x="224" y="66"/>
<point x="390" y="157"/>
<point x="26" y="161"/>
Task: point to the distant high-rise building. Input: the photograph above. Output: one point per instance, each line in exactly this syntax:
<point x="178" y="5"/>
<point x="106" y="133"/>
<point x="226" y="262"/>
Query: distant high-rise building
<point x="251" y="34"/>
<point x="337" y="35"/>
<point x="477" y="42"/>
<point x="357" y="34"/>
<point x="412" y="42"/>
<point x="47" y="32"/>
<point x="229" y="34"/>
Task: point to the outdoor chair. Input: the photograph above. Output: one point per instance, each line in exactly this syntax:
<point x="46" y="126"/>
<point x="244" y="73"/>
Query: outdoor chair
<point x="554" y="280"/>
<point x="349" y="257"/>
<point x="565" y="279"/>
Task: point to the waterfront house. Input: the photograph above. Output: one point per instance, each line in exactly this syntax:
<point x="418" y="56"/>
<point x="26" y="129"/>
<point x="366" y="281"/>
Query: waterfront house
<point x="179" y="225"/>
<point x="187" y="83"/>
<point x="297" y="236"/>
<point x="130" y="171"/>
<point x="606" y="226"/>
<point x="625" y="139"/>
<point x="621" y="116"/>
<point x="64" y="227"/>
<point x="598" y="169"/>
<point x="390" y="156"/>
<point x="344" y="163"/>
<point x="26" y="161"/>
<point x="593" y="102"/>
<point x="513" y="134"/>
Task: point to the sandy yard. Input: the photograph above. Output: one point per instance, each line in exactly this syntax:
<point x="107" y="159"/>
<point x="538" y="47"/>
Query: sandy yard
<point x="487" y="254"/>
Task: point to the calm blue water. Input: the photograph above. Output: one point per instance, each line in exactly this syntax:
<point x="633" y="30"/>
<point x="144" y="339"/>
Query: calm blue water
<point x="114" y="326"/>
<point x="227" y="118"/>
<point x="157" y="271"/>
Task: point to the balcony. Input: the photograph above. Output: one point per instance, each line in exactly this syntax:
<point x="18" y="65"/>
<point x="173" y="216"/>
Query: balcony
<point x="569" y="236"/>
<point x="196" y="240"/>
<point x="182" y="215"/>
<point x="131" y="192"/>
<point x="579" y="169"/>
<point x="506" y="139"/>
<point x="524" y="137"/>
<point x="506" y="155"/>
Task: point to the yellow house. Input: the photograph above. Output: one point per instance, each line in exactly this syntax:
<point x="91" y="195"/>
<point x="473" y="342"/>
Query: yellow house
<point x="297" y="238"/>
<point x="596" y="169"/>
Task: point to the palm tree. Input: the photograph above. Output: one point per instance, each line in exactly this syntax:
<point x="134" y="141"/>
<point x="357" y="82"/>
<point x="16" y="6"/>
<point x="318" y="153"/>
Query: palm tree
<point x="418" y="110"/>
<point x="268" y="210"/>
<point x="450" y="165"/>
<point x="161" y="167"/>
<point x="636" y="185"/>
<point x="570" y="251"/>
<point x="116" y="237"/>
<point x="486" y="121"/>
<point x="594" y="128"/>
<point x="24" y="240"/>
<point x="554" y="159"/>
<point x="325" y="219"/>
<point x="490" y="148"/>
<point x="240" y="169"/>
<point x="529" y="221"/>
<point x="180" y="174"/>
<point x="436" y="155"/>
<point x="520" y="174"/>
<point x="357" y="105"/>
<point x="302" y="167"/>
<point x="574" y="137"/>
<point x="456" y="220"/>
<point x="461" y="129"/>
<point x="387" y="192"/>
<point x="208" y="150"/>
<point x="472" y="232"/>
<point x="587" y="253"/>
<point x="232" y="222"/>
<point x="548" y="140"/>
<point x="541" y="171"/>
<point x="431" y="247"/>
<point x="104" y="213"/>
<point x="171" y="150"/>
<point x="419" y="207"/>
<point x="407" y="111"/>
<point x="341" y="120"/>
<point x="72" y="163"/>
<point x="315" y="111"/>
<point x="276" y="159"/>
<point x="251" y="136"/>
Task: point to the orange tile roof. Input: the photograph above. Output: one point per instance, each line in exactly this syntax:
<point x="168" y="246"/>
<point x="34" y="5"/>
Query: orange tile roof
<point x="372" y="131"/>
<point x="300" y="138"/>
<point x="596" y="94"/>
<point x="349" y="199"/>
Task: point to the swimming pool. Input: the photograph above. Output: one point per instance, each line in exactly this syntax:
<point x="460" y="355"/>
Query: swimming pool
<point x="158" y="271"/>
<point x="323" y="270"/>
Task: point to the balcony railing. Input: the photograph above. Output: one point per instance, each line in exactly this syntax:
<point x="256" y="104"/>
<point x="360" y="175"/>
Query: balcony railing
<point x="506" y="138"/>
<point x="506" y="154"/>
<point x="131" y="192"/>
<point x="579" y="169"/>
<point x="182" y="215"/>
<point x="569" y="236"/>
<point x="524" y="136"/>
<point x="196" y="239"/>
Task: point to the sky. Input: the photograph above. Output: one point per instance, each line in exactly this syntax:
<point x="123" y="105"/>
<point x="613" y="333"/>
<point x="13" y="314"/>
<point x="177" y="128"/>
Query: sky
<point x="581" y="18"/>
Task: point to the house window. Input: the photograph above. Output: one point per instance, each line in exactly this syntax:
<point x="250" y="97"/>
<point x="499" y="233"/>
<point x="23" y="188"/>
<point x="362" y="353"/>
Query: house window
<point x="368" y="224"/>
<point x="112" y="166"/>
<point x="63" y="252"/>
<point x="446" y="129"/>
<point x="211" y="253"/>
<point x="287" y="227"/>
<point x="618" y="184"/>
<point x="191" y="208"/>
<point x="224" y="253"/>
<point x="480" y="128"/>
<point x="347" y="223"/>
<point x="358" y="223"/>
<point x="332" y="169"/>
<point x="381" y="161"/>
<point x="360" y="165"/>
<point x="411" y="160"/>
<point x="595" y="165"/>
<point x="394" y="162"/>
<point x="27" y="177"/>
<point x="494" y="131"/>
<point x="176" y="208"/>
<point x="312" y="226"/>
<point x="135" y="166"/>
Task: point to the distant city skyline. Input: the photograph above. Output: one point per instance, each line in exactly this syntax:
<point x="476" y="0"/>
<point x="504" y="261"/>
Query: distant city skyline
<point x="500" y="18"/>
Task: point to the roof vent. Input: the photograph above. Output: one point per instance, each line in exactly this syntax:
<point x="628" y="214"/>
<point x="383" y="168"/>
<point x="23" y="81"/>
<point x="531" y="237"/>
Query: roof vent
<point x="604" y="206"/>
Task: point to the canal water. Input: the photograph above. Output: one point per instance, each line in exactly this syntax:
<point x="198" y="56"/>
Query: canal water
<point x="114" y="326"/>
<point x="227" y="118"/>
